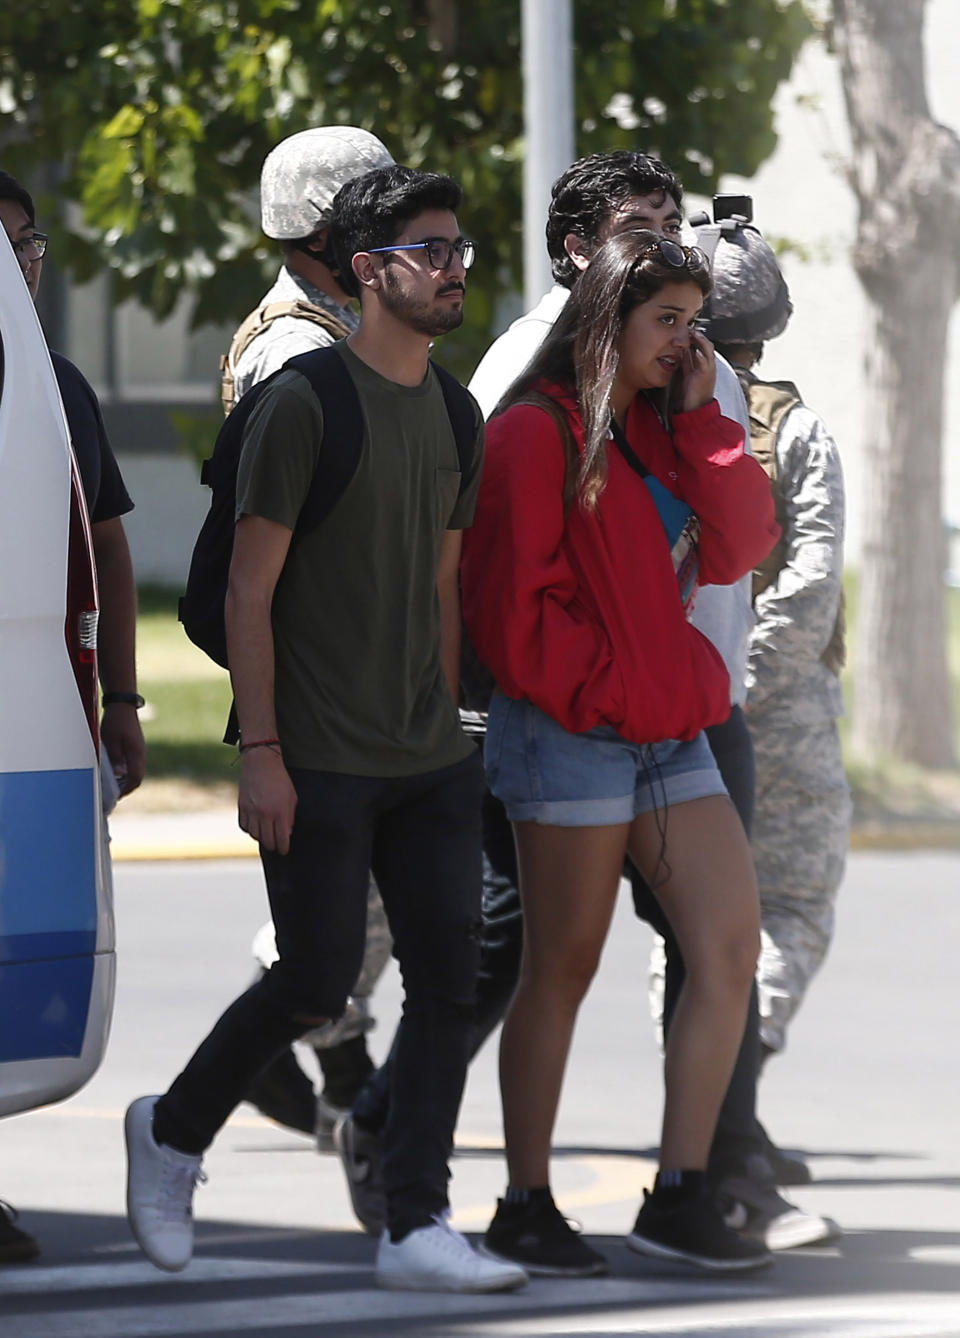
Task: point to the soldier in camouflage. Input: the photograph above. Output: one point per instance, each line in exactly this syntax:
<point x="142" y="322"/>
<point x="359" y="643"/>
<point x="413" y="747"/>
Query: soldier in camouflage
<point x="801" y="821"/>
<point x="305" y="309"/>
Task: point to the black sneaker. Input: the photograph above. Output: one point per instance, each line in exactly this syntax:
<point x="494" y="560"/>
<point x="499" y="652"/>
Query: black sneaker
<point x="361" y="1155"/>
<point x="345" y="1068"/>
<point x="284" y="1093"/>
<point x="788" y="1168"/>
<point x="539" y="1237"/>
<point x="16" y="1247"/>
<point x="691" y="1228"/>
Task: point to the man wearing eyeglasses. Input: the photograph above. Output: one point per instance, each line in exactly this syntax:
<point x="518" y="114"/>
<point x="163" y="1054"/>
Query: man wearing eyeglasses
<point x="344" y="655"/>
<point x="123" y="757"/>
<point x="307" y="308"/>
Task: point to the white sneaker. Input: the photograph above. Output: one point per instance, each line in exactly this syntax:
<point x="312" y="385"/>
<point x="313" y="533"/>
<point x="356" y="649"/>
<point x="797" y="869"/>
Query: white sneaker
<point x="438" y="1259"/>
<point x="760" y="1212"/>
<point x="794" y="1228"/>
<point x="160" y="1184"/>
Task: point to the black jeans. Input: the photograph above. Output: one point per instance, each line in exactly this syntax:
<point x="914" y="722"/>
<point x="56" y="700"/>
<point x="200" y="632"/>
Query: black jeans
<point x="421" y="837"/>
<point x="502" y="944"/>
<point x="738" y="1132"/>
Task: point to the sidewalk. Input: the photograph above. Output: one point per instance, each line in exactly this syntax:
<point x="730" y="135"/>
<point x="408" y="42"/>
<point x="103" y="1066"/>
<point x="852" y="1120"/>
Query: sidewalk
<point x="204" y="834"/>
<point x="214" y="834"/>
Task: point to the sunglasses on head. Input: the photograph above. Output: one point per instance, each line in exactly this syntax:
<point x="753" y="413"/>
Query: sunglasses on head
<point x="690" y="258"/>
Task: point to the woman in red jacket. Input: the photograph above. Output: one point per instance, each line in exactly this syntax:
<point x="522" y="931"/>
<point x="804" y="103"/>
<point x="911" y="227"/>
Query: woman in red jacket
<point x="613" y="487"/>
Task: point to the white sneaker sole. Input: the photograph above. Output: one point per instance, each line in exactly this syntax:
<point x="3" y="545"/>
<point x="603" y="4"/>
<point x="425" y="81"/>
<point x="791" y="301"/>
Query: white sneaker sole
<point x="652" y="1248"/>
<point x="405" y="1282"/>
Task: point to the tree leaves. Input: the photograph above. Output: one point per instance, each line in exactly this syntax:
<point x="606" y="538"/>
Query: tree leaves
<point x="161" y="114"/>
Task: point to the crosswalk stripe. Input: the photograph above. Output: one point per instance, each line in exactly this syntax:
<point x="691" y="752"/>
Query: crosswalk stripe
<point x="875" y="1316"/>
<point x="100" y="1300"/>
<point x="208" y="1237"/>
<point x="326" y="1309"/>
<point x="138" y="1273"/>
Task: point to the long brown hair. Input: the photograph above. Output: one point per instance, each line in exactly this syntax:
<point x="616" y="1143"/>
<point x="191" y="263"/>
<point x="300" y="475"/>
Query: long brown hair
<point x="582" y="350"/>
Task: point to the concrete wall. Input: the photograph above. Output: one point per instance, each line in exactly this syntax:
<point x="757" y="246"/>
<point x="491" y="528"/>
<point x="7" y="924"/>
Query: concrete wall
<point x="170" y="507"/>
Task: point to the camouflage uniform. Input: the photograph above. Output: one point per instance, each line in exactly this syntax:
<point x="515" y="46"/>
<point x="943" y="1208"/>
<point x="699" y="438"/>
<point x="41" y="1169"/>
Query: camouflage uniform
<point x="289" y="335"/>
<point x="356" y="1019"/>
<point x="801" y="820"/>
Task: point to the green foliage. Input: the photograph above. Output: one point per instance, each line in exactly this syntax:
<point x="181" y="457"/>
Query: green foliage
<point x="188" y="698"/>
<point x="160" y="113"/>
<point x="196" y="432"/>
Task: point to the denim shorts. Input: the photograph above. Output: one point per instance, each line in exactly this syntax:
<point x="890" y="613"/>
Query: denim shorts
<point x="543" y="773"/>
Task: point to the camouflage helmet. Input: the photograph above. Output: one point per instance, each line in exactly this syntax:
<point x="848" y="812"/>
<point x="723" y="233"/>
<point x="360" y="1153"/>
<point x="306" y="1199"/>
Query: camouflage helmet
<point x="750" y="301"/>
<point x="303" y="173"/>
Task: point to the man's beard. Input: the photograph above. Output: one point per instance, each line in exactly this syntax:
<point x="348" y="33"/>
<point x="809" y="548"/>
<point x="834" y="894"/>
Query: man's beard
<point x="421" y="316"/>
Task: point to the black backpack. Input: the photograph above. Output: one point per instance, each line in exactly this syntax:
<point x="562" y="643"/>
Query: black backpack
<point x="201" y="606"/>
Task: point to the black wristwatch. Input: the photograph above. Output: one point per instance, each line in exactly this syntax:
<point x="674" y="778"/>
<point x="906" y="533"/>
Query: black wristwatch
<point x="123" y="699"/>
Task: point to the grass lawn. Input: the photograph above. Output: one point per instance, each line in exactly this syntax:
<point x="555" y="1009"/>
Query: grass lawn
<point x="188" y="698"/>
<point x="889" y="789"/>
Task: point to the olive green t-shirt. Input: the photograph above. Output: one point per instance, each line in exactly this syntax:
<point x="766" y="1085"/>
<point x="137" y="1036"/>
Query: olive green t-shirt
<point x="356" y="619"/>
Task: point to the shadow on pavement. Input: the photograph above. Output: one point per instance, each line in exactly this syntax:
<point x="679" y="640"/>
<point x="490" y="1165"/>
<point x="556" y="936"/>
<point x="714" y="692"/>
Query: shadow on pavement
<point x="91" y="1260"/>
<point x="811" y="1155"/>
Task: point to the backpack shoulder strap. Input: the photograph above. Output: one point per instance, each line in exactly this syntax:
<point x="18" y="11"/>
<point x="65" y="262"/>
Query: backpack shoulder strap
<point x="342" y="431"/>
<point x="257" y="323"/>
<point x="769" y="402"/>
<point x="462" y="415"/>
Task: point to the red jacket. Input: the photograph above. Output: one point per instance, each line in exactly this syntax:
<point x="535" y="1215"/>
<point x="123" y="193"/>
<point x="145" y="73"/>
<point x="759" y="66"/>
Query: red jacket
<point x="582" y="614"/>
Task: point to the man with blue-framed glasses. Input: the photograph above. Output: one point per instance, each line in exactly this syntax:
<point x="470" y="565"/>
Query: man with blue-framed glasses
<point x="439" y="251"/>
<point x="344" y="655"/>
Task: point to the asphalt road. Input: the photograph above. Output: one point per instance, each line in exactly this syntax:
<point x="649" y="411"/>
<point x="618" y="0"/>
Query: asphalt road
<point x="868" y="1090"/>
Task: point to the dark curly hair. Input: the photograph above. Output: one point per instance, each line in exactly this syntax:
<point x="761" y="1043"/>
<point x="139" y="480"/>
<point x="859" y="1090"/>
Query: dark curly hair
<point x="585" y="195"/>
<point x="373" y="209"/>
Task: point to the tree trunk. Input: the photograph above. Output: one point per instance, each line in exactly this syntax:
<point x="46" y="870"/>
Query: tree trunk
<point x="906" y="177"/>
<point x="443" y="24"/>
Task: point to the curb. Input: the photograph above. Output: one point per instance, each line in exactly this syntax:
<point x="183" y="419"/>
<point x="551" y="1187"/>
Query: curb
<point x="941" y="834"/>
<point x="933" y="834"/>
<point x="147" y="851"/>
<point x="206" y="834"/>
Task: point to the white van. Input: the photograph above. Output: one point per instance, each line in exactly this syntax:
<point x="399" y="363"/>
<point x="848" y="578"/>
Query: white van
<point x="56" y="911"/>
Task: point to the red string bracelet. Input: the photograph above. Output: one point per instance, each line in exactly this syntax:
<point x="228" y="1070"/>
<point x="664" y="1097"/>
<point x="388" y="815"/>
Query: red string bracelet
<point x="259" y="743"/>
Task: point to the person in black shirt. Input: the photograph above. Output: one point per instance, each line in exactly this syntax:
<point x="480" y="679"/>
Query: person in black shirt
<point x="107" y="501"/>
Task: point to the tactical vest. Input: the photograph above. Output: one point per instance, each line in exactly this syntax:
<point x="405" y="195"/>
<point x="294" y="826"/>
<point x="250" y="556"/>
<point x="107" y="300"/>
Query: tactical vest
<point x="259" y="321"/>
<point x="769" y="403"/>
